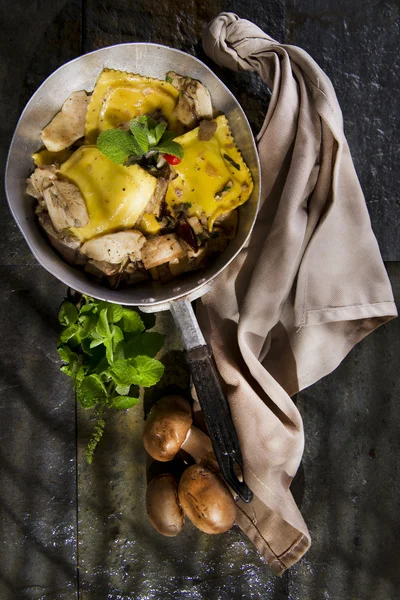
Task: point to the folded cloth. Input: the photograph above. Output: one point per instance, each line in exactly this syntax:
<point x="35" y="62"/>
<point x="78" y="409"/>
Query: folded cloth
<point x="309" y="285"/>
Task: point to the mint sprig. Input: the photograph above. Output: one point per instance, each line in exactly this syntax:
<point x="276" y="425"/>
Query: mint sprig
<point x="145" y="136"/>
<point x="109" y="354"/>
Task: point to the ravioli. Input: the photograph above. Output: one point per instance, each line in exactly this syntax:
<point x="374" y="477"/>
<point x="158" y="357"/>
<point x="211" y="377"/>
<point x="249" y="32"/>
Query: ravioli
<point x="115" y="196"/>
<point x="118" y="97"/>
<point x="212" y="177"/>
<point x="46" y="157"/>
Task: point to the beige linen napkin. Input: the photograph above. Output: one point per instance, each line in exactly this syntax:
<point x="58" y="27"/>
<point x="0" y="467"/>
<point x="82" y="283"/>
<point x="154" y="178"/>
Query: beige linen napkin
<point x="310" y="284"/>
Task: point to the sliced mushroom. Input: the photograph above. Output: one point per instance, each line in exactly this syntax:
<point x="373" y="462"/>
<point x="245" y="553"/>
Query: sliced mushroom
<point x="228" y="222"/>
<point x="185" y="111"/>
<point x="207" y="130"/>
<point x="194" y="102"/>
<point x="66" y="205"/>
<point x="161" y="249"/>
<point x="206" y="500"/>
<point x="154" y="204"/>
<point x="99" y="268"/>
<point x="68" y="125"/>
<point x="115" y="247"/>
<point x="64" y="242"/>
<point x="41" y="179"/>
<point x="162" y="505"/>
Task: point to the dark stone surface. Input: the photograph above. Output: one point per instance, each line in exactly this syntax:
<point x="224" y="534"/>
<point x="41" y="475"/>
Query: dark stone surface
<point x="351" y="471"/>
<point x="37" y="426"/>
<point x="348" y="481"/>
<point x="37" y="443"/>
<point x="356" y="43"/>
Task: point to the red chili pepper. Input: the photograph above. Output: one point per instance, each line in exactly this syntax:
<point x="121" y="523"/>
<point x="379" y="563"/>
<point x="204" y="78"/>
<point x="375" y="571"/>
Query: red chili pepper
<point x="171" y="159"/>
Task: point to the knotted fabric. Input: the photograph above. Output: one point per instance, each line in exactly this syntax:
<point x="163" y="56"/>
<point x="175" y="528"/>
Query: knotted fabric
<point x="309" y="285"/>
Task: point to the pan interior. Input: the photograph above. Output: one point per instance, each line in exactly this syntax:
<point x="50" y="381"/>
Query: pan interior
<point x="81" y="74"/>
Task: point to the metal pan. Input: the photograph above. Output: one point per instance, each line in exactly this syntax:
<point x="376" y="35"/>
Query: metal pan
<point x="81" y="74"/>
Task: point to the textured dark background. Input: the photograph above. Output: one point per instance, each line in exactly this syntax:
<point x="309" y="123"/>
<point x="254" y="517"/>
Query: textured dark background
<point x="348" y="482"/>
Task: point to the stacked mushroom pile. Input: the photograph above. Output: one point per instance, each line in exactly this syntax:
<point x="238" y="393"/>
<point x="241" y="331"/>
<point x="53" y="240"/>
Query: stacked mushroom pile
<point x="200" y="494"/>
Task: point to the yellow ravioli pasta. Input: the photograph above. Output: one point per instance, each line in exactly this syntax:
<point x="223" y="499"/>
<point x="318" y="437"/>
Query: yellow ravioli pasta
<point x="212" y="176"/>
<point x="118" y="97"/>
<point x="115" y="196"/>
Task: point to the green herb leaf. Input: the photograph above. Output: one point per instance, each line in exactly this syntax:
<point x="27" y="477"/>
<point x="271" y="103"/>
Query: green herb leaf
<point x="123" y="372"/>
<point x="148" y="344"/>
<point x="168" y="78"/>
<point x="123" y="402"/>
<point x="69" y="332"/>
<point x="131" y="322"/>
<point x="118" y="145"/>
<point x="103" y="327"/>
<point x="149" y="370"/>
<point x="122" y="390"/>
<point x="159" y="131"/>
<point x="141" y="134"/>
<point x="68" y="313"/>
<point x="173" y="148"/>
<point x="90" y="391"/>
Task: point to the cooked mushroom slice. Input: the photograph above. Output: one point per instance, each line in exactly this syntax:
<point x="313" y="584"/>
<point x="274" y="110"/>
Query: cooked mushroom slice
<point x="41" y="179"/>
<point x="66" y="205"/>
<point x="206" y="500"/>
<point x="166" y="427"/>
<point x="162" y="505"/>
<point x="185" y="110"/>
<point x="68" y="125"/>
<point x="194" y="101"/>
<point x="99" y="268"/>
<point x="202" y="99"/>
<point x="161" y="249"/>
<point x="228" y="222"/>
<point x="154" y="204"/>
<point x="207" y="130"/>
<point x="114" y="247"/>
<point x="64" y="242"/>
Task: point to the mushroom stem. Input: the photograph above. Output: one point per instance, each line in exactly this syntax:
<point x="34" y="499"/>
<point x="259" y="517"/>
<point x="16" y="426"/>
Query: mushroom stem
<point x="199" y="446"/>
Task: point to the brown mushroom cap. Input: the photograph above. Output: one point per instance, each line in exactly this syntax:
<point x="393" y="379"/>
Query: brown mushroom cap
<point x="162" y="505"/>
<point x="206" y="500"/>
<point x="166" y="427"/>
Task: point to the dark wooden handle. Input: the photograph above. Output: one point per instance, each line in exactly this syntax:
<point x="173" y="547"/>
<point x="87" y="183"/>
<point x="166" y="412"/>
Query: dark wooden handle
<point x="217" y="416"/>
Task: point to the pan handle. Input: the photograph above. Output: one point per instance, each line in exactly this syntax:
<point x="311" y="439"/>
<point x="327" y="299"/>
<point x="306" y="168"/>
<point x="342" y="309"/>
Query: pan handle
<point x="212" y="399"/>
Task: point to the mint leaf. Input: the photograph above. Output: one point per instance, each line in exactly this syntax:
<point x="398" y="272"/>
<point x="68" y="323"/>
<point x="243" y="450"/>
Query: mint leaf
<point x="148" y="344"/>
<point x="123" y="402"/>
<point x="69" y="332"/>
<point x="92" y="386"/>
<point x="167" y="147"/>
<point x="141" y="135"/>
<point x="67" y="355"/>
<point x="123" y="372"/>
<point x="103" y="327"/>
<point x="117" y="145"/>
<point x="131" y="322"/>
<point x="68" y="313"/>
<point x="159" y="131"/>
<point x="168" y="136"/>
<point x="122" y="390"/>
<point x="149" y="370"/>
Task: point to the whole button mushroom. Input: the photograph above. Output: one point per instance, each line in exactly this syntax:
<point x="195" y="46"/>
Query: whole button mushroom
<point x="162" y="505"/>
<point x="206" y="500"/>
<point x="166" y="427"/>
<point x="203" y="494"/>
